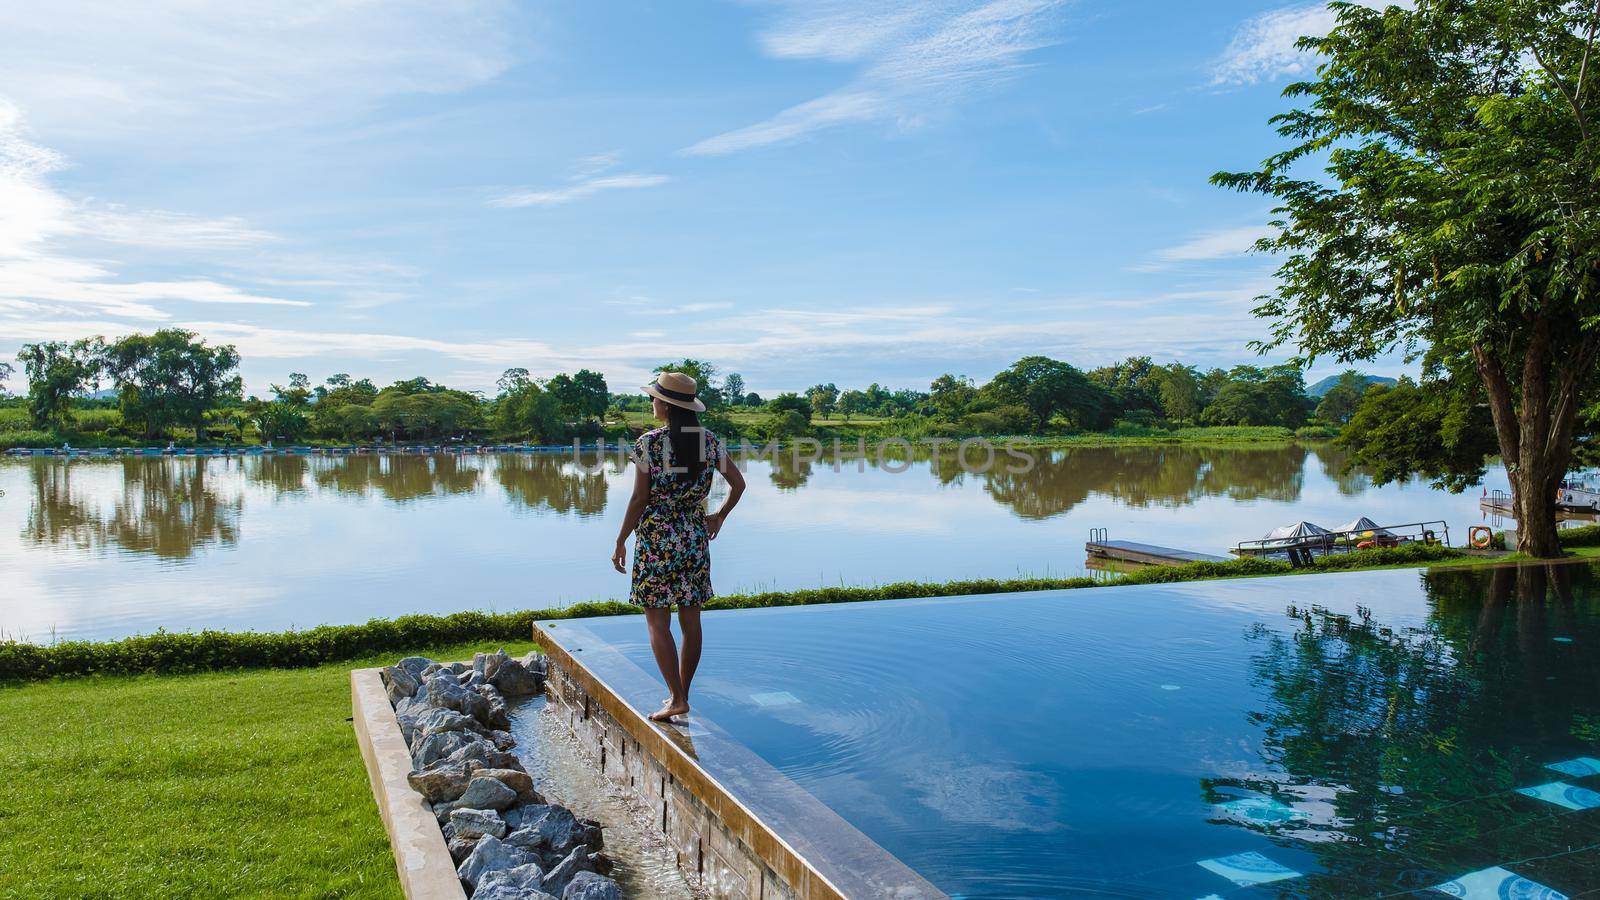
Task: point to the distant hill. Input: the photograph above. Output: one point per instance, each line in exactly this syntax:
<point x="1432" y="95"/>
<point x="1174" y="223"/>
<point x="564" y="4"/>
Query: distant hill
<point x="1323" y="386"/>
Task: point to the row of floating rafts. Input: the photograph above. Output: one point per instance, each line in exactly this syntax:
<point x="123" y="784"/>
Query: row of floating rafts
<point x="269" y="450"/>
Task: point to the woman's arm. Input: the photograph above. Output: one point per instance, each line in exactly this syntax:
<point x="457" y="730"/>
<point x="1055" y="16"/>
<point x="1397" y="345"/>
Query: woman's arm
<point x="630" y="520"/>
<point x="735" y="480"/>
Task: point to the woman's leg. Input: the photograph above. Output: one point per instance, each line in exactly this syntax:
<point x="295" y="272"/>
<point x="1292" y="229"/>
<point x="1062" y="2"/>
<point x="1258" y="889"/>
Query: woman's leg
<point x="666" y="653"/>
<point x="689" y="621"/>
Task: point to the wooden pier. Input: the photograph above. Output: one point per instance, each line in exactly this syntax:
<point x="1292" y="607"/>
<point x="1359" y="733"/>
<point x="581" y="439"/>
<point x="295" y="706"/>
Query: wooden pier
<point x="1144" y="554"/>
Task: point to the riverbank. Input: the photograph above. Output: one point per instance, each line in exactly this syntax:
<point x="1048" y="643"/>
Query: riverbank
<point x="849" y="439"/>
<point x="172" y="653"/>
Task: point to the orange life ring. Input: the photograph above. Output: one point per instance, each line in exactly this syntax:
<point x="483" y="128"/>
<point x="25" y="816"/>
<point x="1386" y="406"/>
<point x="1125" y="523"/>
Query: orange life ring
<point x="1366" y="545"/>
<point x="1560" y="495"/>
<point x="1480" y="536"/>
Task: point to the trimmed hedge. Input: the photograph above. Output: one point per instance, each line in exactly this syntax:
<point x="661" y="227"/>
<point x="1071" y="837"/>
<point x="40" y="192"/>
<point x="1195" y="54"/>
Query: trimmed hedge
<point x="168" y="653"/>
<point x="1587" y="536"/>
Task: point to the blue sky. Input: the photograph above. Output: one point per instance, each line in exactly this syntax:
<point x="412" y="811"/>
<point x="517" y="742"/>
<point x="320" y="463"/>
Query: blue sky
<point x="797" y="191"/>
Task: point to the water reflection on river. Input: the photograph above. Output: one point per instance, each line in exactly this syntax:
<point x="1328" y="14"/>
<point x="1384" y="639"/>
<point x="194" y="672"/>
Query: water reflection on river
<point x="101" y="548"/>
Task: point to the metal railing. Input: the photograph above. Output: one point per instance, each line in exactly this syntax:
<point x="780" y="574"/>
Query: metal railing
<point x="1302" y="550"/>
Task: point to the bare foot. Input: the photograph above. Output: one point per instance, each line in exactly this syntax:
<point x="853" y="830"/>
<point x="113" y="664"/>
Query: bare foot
<point x="670" y="710"/>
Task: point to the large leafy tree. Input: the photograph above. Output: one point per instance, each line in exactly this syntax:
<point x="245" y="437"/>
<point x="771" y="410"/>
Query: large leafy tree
<point x="171" y="377"/>
<point x="1457" y="210"/>
<point x="1049" y="388"/>
<point x="1256" y="396"/>
<point x="58" y="372"/>
<point x="582" y="396"/>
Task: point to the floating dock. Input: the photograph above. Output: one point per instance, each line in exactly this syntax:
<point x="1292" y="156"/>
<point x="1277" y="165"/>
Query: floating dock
<point x="1145" y="554"/>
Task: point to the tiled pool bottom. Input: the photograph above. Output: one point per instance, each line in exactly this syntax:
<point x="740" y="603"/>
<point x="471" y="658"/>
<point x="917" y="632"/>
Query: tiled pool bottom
<point x="1363" y="734"/>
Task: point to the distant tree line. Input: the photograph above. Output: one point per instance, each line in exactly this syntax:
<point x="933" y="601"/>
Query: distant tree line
<point x="172" y="383"/>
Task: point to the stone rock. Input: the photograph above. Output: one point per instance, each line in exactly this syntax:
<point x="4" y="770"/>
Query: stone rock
<point x="498" y="714"/>
<point x="415" y="665"/>
<point x="399" y="683"/>
<point x="513" y="679"/>
<point x="445" y="692"/>
<point x="461" y="848"/>
<point x="417" y="705"/>
<point x="443" y="673"/>
<point x="491" y="856"/>
<point x="444" y="745"/>
<point x="486" y="793"/>
<point x="591" y="886"/>
<point x="557" y="879"/>
<point x="459" y="668"/>
<point x="518" y="883"/>
<point x="481" y="751"/>
<point x="475" y="823"/>
<point x="472" y="680"/>
<point x="592" y="834"/>
<point x="443" y="782"/>
<point x="428" y="670"/>
<point x="544" y="827"/>
<point x="436" y="720"/>
<point x="502" y="740"/>
<point x="536" y="663"/>
<point x="487" y="664"/>
<point x="517" y="780"/>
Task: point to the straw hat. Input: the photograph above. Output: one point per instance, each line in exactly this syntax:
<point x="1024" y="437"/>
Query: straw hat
<point x="676" y="388"/>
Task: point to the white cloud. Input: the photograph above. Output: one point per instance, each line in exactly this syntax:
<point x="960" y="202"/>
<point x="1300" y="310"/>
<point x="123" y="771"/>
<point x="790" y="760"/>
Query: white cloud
<point x="91" y="66"/>
<point x="1225" y="243"/>
<point x="1264" y="48"/>
<point x="169" y="230"/>
<point x="912" y="56"/>
<point x="36" y="276"/>
<point x="577" y="190"/>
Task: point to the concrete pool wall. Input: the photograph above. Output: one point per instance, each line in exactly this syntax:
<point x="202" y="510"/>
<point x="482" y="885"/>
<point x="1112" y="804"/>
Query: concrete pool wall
<point x="721" y="845"/>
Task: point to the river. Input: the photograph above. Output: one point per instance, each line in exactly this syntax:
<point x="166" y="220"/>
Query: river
<point x="97" y="549"/>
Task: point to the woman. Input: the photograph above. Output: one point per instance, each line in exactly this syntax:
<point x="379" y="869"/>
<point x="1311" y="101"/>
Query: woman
<point x="671" y="558"/>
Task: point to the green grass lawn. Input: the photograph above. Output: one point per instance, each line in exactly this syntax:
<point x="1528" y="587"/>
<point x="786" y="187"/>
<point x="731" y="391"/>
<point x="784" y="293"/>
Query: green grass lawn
<point x="243" y="784"/>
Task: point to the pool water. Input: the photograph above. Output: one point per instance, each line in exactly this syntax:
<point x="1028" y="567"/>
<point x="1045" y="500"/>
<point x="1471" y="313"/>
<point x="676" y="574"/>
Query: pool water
<point x="1359" y="734"/>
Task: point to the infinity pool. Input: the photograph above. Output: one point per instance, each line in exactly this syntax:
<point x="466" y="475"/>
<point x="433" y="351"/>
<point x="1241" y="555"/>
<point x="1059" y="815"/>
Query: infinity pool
<point x="1338" y="735"/>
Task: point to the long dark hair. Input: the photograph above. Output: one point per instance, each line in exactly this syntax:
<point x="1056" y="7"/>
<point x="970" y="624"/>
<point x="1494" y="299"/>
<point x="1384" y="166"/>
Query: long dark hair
<point x="688" y="441"/>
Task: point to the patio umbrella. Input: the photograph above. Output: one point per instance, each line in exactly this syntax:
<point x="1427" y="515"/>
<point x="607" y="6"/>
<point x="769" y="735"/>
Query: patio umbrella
<point x="1362" y="526"/>
<point x="1298" y="533"/>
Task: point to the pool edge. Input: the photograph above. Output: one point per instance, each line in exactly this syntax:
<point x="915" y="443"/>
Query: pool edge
<point x="697" y="813"/>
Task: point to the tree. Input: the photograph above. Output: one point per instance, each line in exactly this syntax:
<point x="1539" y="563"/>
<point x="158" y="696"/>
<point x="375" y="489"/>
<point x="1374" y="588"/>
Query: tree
<point x="822" y="398"/>
<point x="1049" y="388"/>
<point x="1436" y="429"/>
<point x="5" y="374"/>
<point x="852" y="403"/>
<point x="951" y="395"/>
<point x="512" y="378"/>
<point x="733" y="388"/>
<point x="525" y="408"/>
<point x="57" y="372"/>
<point x="279" y="420"/>
<point x="1178" y="387"/>
<point x="1256" y="396"/>
<point x="1457" y="211"/>
<point x="581" y="396"/>
<point x="704" y="374"/>
<point x="1131" y="383"/>
<point x="171" y="377"/>
<point x="297" y="394"/>
<point x="790" y="402"/>
<point x="1341" y="400"/>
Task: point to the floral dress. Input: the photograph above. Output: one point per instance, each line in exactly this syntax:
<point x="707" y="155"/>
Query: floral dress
<point x="671" y="551"/>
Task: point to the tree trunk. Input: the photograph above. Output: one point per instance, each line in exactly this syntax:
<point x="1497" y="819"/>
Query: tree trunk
<point x="1534" y="430"/>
